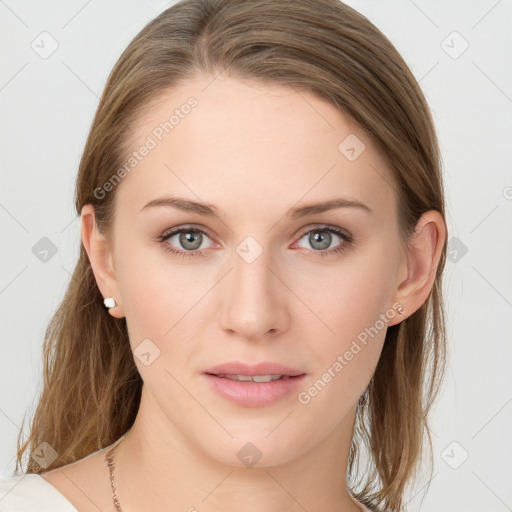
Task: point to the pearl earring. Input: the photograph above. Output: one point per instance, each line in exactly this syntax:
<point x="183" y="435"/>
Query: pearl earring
<point x="400" y="309"/>
<point x="110" y="302"/>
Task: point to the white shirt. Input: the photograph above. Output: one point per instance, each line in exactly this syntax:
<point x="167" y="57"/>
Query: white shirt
<point x="32" y="493"/>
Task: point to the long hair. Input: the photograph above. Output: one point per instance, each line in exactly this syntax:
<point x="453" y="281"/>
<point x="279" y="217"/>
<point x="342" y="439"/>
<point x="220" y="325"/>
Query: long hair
<point x="92" y="389"/>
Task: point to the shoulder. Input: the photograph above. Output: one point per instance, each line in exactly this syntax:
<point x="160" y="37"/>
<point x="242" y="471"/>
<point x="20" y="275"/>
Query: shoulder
<point x="31" y="493"/>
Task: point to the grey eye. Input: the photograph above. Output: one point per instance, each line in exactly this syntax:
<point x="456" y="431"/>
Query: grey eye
<point x="320" y="239"/>
<point x="188" y="239"/>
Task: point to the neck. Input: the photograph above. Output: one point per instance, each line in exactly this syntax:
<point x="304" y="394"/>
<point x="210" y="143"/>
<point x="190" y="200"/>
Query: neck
<point x="158" y="468"/>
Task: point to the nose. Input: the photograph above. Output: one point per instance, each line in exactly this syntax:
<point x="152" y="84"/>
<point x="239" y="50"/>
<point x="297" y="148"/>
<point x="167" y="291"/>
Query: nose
<point x="253" y="299"/>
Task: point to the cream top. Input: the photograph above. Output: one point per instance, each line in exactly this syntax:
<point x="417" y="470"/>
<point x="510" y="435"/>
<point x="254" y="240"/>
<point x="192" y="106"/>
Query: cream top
<point x="31" y="493"/>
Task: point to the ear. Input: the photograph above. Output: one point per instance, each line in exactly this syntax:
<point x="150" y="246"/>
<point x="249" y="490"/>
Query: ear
<point x="100" y="257"/>
<point x="420" y="264"/>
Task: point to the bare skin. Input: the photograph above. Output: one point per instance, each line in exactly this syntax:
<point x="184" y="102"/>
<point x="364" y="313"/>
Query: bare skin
<point x="254" y="151"/>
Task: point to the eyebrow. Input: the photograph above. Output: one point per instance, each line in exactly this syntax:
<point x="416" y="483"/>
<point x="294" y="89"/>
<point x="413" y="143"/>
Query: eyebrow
<point x="210" y="210"/>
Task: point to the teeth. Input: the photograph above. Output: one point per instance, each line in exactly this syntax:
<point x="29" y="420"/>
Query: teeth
<point x="254" y="378"/>
<point x="239" y="377"/>
<point x="265" y="378"/>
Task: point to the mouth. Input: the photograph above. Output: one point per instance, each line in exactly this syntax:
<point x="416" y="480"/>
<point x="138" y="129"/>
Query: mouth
<point x="254" y="378"/>
<point x="254" y="390"/>
<point x="261" y="372"/>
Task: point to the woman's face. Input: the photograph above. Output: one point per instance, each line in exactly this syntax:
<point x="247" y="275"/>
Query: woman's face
<point x="249" y="281"/>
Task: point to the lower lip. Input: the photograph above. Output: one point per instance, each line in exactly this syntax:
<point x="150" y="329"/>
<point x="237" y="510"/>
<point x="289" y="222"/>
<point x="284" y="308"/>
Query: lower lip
<point x="254" y="394"/>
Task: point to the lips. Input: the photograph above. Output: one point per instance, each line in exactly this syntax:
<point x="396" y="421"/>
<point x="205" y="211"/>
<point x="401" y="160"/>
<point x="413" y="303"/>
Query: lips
<point x="255" y="385"/>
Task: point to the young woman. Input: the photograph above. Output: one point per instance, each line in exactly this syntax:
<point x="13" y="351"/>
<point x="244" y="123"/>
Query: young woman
<point x="256" y="318"/>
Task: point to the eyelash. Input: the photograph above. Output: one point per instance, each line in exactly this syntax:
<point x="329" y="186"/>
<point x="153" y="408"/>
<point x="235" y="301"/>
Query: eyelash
<point x="347" y="240"/>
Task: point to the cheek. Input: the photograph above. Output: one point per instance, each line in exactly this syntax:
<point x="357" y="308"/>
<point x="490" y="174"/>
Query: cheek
<point x="155" y="293"/>
<point x="352" y="296"/>
<point x="168" y="302"/>
<point x="343" y="363"/>
<point x="353" y="309"/>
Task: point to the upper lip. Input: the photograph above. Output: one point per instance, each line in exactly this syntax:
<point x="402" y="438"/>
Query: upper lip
<point x="264" y="368"/>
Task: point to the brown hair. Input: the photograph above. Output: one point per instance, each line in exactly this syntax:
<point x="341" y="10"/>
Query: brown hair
<point x="92" y="388"/>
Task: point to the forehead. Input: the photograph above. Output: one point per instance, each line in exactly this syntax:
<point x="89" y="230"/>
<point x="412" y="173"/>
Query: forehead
<point x="246" y="143"/>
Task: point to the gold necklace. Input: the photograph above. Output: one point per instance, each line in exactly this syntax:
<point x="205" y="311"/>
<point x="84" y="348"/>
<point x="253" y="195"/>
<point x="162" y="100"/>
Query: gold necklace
<point x="109" y="459"/>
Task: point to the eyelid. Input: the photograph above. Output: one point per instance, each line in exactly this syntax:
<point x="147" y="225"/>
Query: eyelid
<point x="172" y="230"/>
<point x="182" y="227"/>
<point x="327" y="227"/>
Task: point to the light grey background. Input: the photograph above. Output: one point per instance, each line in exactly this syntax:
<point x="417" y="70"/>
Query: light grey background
<point x="47" y="105"/>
